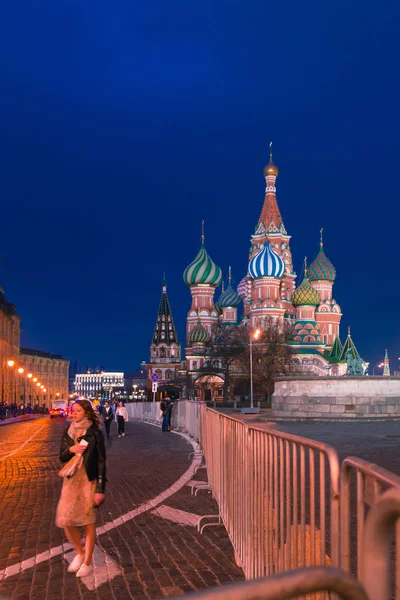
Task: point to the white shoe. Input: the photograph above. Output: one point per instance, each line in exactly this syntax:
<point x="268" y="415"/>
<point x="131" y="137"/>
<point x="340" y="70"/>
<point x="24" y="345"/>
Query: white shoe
<point x="119" y="436"/>
<point x="76" y="563"/>
<point x="85" y="570"/>
<point x="123" y="435"/>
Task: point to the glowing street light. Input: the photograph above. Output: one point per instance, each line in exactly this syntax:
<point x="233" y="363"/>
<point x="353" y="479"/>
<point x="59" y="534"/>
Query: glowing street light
<point x="45" y="390"/>
<point x="35" y="379"/>
<point x="42" y="387"/>
<point x="20" y="370"/>
<point x="11" y="363"/>
<point x="30" y="375"/>
<point x="38" y="384"/>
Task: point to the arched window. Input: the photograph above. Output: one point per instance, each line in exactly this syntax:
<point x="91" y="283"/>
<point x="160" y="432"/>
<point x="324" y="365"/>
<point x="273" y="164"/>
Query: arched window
<point x="168" y="374"/>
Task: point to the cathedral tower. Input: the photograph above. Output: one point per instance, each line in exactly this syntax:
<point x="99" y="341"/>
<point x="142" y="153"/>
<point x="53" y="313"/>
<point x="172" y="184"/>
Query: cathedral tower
<point x="165" y="349"/>
<point x="270" y="229"/>
<point x="202" y="276"/>
<point x="328" y="315"/>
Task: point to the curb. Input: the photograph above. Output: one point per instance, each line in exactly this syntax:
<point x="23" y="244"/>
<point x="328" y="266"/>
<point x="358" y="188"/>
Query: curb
<point x="21" y="419"/>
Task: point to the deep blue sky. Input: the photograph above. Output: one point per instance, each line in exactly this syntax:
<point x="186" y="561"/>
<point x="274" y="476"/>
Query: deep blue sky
<point x="123" y="124"/>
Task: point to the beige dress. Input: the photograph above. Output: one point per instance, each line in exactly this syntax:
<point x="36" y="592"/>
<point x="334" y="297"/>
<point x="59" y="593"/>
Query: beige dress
<point x="75" y="507"/>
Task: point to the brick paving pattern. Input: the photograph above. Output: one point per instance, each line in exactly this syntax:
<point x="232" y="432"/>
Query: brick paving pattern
<point x="159" y="558"/>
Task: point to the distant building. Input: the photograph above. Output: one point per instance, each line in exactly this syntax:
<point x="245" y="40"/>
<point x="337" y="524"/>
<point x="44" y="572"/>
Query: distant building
<point x="165" y="349"/>
<point x="50" y="370"/>
<point x="9" y="349"/>
<point x="135" y="384"/>
<point x="105" y="384"/>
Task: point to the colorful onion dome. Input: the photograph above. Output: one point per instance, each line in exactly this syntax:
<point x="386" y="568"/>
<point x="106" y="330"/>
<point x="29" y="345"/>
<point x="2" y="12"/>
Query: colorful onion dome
<point x="271" y="168"/>
<point x="199" y="334"/>
<point x="322" y="268"/>
<point x="266" y="263"/>
<point x="202" y="271"/>
<point x="230" y="298"/>
<point x="243" y="288"/>
<point x="305" y="294"/>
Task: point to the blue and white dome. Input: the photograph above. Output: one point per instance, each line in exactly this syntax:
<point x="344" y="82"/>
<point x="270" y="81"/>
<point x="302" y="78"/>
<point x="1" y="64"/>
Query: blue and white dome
<point x="230" y="298"/>
<point x="266" y="263"/>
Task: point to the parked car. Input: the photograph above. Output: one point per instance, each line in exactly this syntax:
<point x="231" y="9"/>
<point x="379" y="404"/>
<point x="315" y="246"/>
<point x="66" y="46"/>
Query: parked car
<point x="57" y="412"/>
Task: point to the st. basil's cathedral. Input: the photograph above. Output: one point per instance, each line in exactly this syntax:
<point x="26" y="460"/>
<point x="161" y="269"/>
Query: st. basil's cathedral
<point x="267" y="291"/>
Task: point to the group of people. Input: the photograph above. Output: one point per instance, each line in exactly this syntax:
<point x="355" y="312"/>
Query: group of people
<point x="12" y="409"/>
<point x="83" y="453"/>
<point x="121" y="416"/>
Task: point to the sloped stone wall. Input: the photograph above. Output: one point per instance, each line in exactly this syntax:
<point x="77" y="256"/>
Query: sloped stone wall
<point x="337" y="397"/>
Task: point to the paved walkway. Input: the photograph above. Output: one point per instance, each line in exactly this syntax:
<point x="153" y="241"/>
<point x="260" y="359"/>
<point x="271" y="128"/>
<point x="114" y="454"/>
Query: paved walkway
<point x="153" y="551"/>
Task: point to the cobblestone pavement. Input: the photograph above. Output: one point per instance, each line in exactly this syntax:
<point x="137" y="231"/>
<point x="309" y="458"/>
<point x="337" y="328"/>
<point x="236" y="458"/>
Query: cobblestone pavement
<point x="158" y="557"/>
<point x="376" y="442"/>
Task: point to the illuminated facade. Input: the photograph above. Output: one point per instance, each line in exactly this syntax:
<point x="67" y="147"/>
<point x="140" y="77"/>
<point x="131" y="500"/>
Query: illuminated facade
<point x="10" y="330"/>
<point x="268" y="291"/>
<point x="92" y="385"/>
<point x="50" y="370"/>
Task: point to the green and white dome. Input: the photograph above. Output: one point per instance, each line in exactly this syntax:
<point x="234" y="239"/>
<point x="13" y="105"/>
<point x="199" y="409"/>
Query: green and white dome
<point x="202" y="271"/>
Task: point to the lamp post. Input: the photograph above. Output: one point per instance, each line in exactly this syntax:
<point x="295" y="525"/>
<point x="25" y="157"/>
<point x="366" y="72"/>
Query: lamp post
<point x="380" y="366"/>
<point x="253" y="336"/>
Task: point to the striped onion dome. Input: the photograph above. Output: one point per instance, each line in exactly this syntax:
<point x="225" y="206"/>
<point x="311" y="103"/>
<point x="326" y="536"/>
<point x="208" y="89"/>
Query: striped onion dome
<point x="202" y="271"/>
<point x="266" y="263"/>
<point x="322" y="268"/>
<point x="230" y="298"/>
<point x="199" y="334"/>
<point x="243" y="289"/>
<point x="305" y="294"/>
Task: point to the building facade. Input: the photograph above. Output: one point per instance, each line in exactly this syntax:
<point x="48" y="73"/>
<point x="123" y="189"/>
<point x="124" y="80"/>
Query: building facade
<point x="105" y="384"/>
<point x="49" y="370"/>
<point x="10" y="330"/>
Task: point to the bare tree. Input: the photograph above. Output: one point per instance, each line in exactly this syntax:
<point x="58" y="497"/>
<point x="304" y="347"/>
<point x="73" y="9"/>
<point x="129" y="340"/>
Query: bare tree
<point x="271" y="356"/>
<point x="228" y="347"/>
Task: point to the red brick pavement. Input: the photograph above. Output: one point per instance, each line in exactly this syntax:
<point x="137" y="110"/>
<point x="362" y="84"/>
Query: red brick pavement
<point x="159" y="558"/>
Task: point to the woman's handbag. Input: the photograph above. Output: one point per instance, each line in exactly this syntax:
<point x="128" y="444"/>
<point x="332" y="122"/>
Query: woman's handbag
<point x="72" y="465"/>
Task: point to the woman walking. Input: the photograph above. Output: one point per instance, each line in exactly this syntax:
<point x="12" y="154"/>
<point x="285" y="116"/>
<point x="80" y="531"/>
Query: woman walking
<point x="84" y="485"/>
<point x="121" y="415"/>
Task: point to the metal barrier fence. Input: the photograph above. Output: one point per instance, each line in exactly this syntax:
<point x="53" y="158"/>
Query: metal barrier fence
<point x="278" y="494"/>
<point x="185" y="415"/>
<point x="370" y="482"/>
<point x="280" y="498"/>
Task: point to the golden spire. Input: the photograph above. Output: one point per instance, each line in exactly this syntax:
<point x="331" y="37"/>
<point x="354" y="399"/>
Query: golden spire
<point x="202" y="231"/>
<point x="321" y="243"/>
<point x="271" y="168"/>
<point x="305" y="267"/>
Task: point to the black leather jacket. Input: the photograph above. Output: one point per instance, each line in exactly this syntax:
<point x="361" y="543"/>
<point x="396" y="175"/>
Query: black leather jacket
<point x="94" y="457"/>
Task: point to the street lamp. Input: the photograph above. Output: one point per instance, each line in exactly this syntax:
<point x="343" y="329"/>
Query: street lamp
<point x="35" y="379"/>
<point x="11" y="363"/>
<point x="379" y="366"/>
<point x="20" y="370"/>
<point x="254" y="336"/>
<point x="30" y="375"/>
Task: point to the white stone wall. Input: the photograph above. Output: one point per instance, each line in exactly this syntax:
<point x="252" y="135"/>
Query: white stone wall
<point x="336" y="397"/>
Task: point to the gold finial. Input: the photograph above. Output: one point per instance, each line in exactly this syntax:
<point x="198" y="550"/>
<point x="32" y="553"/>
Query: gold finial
<point x="271" y="169"/>
<point x="202" y="231"/>
<point x="321" y="243"/>
<point x="305" y="267"/>
<point x="230" y="274"/>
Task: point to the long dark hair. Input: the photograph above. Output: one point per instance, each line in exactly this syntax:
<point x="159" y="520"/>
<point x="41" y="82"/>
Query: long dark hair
<point x="89" y="412"/>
